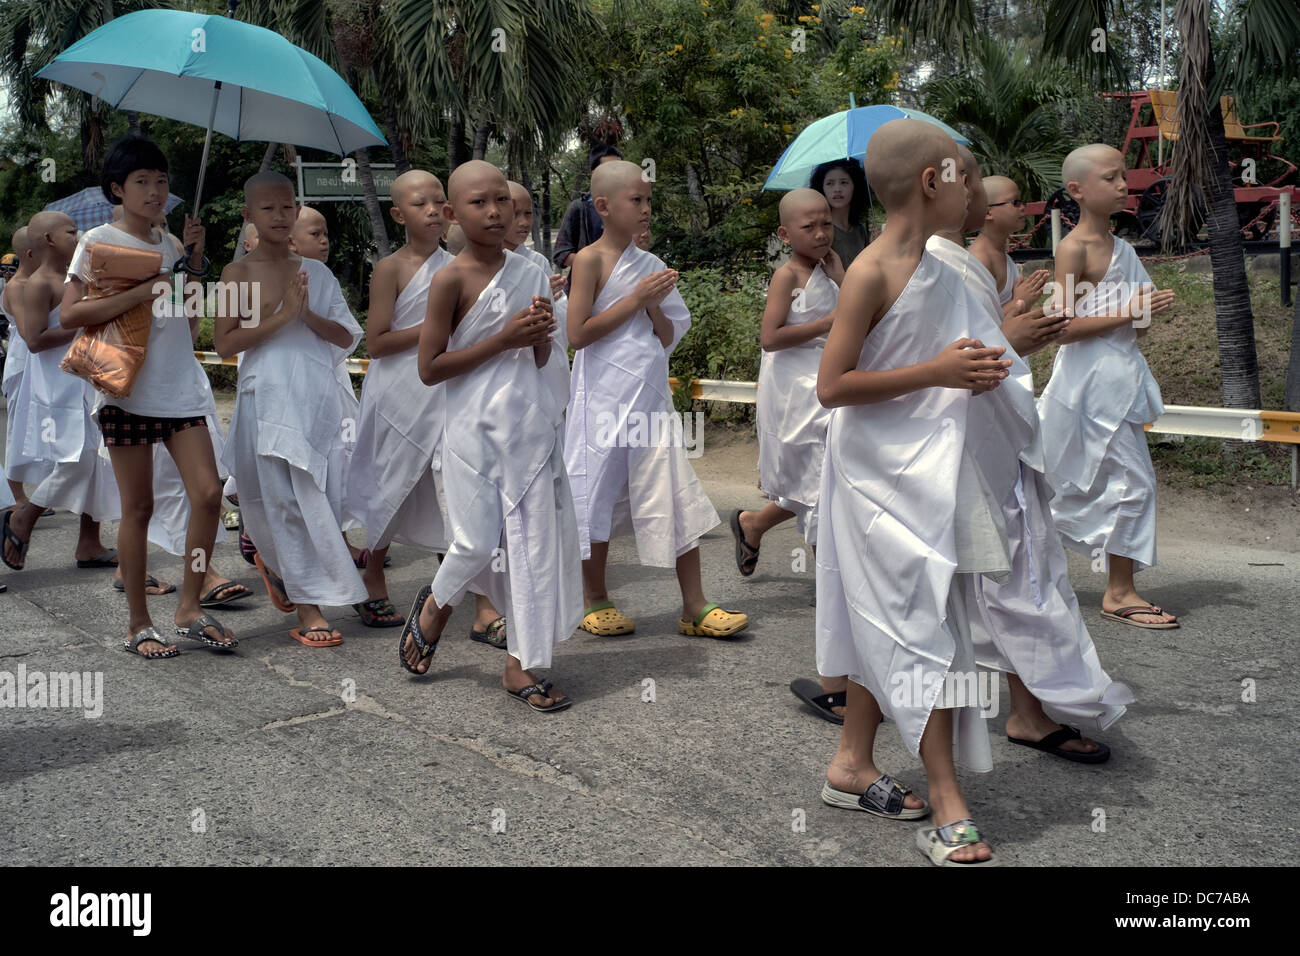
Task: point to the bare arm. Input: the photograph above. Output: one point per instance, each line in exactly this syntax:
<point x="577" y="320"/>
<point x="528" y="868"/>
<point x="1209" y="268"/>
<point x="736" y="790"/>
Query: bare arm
<point x="662" y="325"/>
<point x="33" y="318"/>
<point x="381" y="340"/>
<point x="583" y="327"/>
<point x="232" y="334"/>
<point x="329" y="330"/>
<point x="963" y="364"/>
<point x="775" y="334"/>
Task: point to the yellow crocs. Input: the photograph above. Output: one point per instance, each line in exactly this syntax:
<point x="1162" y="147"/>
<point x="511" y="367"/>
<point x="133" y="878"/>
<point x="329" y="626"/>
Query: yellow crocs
<point x="607" y="621"/>
<point x="713" y="621"/>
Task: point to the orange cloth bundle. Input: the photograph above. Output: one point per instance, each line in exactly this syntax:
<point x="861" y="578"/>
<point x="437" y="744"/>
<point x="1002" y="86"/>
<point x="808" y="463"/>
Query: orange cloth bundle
<point x="110" y="356"/>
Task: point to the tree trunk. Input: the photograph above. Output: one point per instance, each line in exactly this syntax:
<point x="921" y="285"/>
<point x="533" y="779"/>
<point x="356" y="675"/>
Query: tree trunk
<point x="268" y="156"/>
<point x="396" y="135"/>
<point x="372" y="203"/>
<point x="481" y="139"/>
<point x="547" y="250"/>
<point x="133" y="124"/>
<point x="458" y="151"/>
<point x="1234" y="319"/>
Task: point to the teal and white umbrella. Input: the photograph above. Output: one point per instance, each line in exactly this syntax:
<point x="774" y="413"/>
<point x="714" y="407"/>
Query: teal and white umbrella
<point x="841" y="135"/>
<point x="244" y="81"/>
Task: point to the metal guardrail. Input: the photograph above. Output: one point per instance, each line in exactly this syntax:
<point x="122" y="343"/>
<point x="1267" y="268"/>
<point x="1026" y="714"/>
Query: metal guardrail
<point x="1232" y="423"/>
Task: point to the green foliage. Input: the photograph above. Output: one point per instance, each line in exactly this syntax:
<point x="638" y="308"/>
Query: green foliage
<point x="718" y="105"/>
<point x="726" y="314"/>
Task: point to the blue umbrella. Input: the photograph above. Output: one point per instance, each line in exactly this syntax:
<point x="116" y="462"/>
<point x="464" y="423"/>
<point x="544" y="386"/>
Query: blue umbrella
<point x="244" y="81"/>
<point x="841" y="135"/>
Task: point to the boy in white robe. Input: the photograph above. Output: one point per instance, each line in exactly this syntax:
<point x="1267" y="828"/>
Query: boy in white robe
<point x="791" y="422"/>
<point x="58" y="424"/>
<point x="1028" y="624"/>
<point x="310" y="239"/>
<point x="623" y="441"/>
<point x="489" y="336"/>
<point x="515" y="239"/>
<point x="287" y="443"/>
<point x="906" y="516"/>
<point x="1004" y="215"/>
<point x="392" y="487"/>
<point x="1102" y="393"/>
<point x="20" y="469"/>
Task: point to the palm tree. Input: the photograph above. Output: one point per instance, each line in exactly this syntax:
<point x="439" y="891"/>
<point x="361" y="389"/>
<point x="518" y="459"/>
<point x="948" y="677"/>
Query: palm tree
<point x="34" y="32"/>
<point x="1010" y="106"/>
<point x="1070" y="32"/>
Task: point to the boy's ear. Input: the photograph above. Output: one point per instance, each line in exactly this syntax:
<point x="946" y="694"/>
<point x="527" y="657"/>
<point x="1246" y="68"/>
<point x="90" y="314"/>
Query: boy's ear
<point x="930" y="181"/>
<point x="1074" y="189"/>
<point x="448" y="213"/>
<point x="601" y="205"/>
<point x="783" y="234"/>
<point x="395" y="211"/>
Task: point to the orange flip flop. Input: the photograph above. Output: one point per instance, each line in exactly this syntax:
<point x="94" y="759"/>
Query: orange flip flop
<point x="274" y="586"/>
<point x="300" y="635"/>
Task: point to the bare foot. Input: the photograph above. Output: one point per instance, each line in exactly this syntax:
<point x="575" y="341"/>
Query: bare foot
<point x="153" y="586"/>
<point x="949" y="809"/>
<point x="517" y="679"/>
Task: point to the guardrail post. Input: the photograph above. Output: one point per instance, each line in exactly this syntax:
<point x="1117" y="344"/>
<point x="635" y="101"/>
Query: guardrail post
<point x="1284" y="252"/>
<point x="1056" y="230"/>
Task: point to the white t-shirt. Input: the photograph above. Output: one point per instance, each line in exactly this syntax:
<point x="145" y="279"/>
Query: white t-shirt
<point x="171" y="383"/>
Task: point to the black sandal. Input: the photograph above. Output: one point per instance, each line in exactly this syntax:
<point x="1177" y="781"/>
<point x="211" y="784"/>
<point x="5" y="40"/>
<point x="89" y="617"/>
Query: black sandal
<point x="149" y="582"/>
<point x="524" y="693"/>
<point x="746" y="553"/>
<point x="211" y="600"/>
<point x="1051" y="744"/>
<point x="372" y="611"/>
<point x="198" y="632"/>
<point x="150" y="633"/>
<point x="412" y="628"/>
<point x="810" y="692"/>
<point x="494" y="635"/>
<point x="13" y="539"/>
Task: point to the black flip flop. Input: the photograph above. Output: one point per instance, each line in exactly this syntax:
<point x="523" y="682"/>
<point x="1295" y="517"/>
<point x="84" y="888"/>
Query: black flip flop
<point x="1051" y="744"/>
<point x="811" y="693"/>
<point x="412" y="627"/>
<point x="533" y="689"/>
<point x="211" y="600"/>
<point x="149" y="582"/>
<point x="198" y="632"/>
<point x="745" y="552"/>
<point x="372" y="611"/>
<point x="17" y="542"/>
<point x="106" y="560"/>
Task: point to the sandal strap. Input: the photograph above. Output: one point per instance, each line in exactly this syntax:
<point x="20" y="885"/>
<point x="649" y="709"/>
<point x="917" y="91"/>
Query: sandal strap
<point x="149" y="633"/>
<point x="699" y="618"/>
<point x="959" y="833"/>
<point x="884" y="795"/>
<point x="495" y="626"/>
<point x="602" y="606"/>
<point x="1059" y="736"/>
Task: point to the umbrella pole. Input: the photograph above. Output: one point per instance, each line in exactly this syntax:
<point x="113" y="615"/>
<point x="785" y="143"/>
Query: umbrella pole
<point x="182" y="264"/>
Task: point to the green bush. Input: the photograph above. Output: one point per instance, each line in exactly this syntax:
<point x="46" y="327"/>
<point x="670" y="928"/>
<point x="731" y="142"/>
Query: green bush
<point x="723" y="342"/>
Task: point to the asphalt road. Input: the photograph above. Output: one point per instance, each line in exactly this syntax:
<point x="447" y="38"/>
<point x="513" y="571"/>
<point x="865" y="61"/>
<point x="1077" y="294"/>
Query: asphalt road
<point x="265" y="757"/>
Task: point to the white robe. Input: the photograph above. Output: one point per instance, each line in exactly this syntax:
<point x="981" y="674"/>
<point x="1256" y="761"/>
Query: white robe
<point x="1100" y="395"/>
<point x="287" y="448"/>
<point x="19" y="467"/>
<point x="509" y="506"/>
<point x="391" y="479"/>
<point x="1029" y="624"/>
<point x="60" y="429"/>
<point x="6" y="496"/>
<point x="1009" y="283"/>
<point x="791" y="421"/>
<point x="623" y="440"/>
<point x="903" y="509"/>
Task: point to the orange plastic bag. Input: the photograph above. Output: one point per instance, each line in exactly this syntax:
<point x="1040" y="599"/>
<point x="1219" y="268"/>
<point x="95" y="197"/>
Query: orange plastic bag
<point x="110" y="356"/>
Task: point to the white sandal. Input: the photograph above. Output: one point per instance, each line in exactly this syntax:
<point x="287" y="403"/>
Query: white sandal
<point x="937" y="844"/>
<point x="884" y="798"/>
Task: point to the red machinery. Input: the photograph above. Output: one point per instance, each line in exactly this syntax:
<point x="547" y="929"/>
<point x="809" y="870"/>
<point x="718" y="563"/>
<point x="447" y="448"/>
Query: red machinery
<point x="1152" y="115"/>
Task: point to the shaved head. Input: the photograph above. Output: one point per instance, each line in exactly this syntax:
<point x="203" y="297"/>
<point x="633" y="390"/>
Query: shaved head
<point x="410" y="181"/>
<point x="898" y="152"/>
<point x="259" y="183"/>
<point x="612" y="177"/>
<point x="474" y="174"/>
<point x="46" y="222"/>
<point x="20" y="242"/>
<point x="455" y="239"/>
<point x="999" y="188"/>
<point x="798" y="201"/>
<point x="520" y="194"/>
<point x="308" y="217"/>
<point x="1085" y="159"/>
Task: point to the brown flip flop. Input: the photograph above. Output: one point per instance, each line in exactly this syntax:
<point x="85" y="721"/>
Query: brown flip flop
<point x="1124" y="615"/>
<point x="300" y="635"/>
